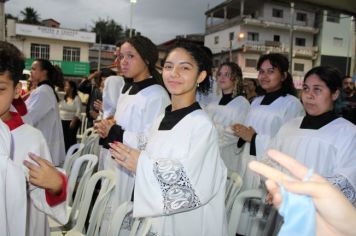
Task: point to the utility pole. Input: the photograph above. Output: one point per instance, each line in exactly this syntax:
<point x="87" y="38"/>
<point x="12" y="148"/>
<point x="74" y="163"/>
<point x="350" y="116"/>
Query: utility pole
<point x="2" y="20"/>
<point x="291" y="36"/>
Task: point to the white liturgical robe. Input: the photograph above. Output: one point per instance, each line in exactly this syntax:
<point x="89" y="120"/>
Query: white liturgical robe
<point x="43" y="112"/>
<point x="28" y="139"/>
<point x="330" y="150"/>
<point x="12" y="188"/>
<point x="180" y="179"/>
<point x="266" y="121"/>
<point x="224" y="116"/>
<point x="111" y="93"/>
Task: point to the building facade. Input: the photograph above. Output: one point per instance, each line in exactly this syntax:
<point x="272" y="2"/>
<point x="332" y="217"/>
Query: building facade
<point x="67" y="48"/>
<point x="241" y="31"/>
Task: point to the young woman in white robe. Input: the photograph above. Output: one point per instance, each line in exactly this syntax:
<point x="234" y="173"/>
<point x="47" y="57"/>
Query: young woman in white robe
<point x="321" y="140"/>
<point x="180" y="176"/>
<point x="43" y="111"/>
<point x="141" y="101"/>
<point x="229" y="109"/>
<point x="267" y="113"/>
<point x="13" y="222"/>
<point x="46" y="192"/>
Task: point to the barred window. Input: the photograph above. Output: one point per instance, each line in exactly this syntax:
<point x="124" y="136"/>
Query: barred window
<point x="71" y="54"/>
<point x="39" y="51"/>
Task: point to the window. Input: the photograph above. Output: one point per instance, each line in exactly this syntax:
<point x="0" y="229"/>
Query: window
<point x="300" y="42"/>
<point x="333" y="17"/>
<point x="338" y="42"/>
<point x="278" y="13"/>
<point x="251" y="63"/>
<point x="216" y="39"/>
<point x="276" y="38"/>
<point x="71" y="54"/>
<point x="301" y="17"/>
<point x="231" y="36"/>
<point x="39" y="51"/>
<point x="252" y="36"/>
<point x="299" y="67"/>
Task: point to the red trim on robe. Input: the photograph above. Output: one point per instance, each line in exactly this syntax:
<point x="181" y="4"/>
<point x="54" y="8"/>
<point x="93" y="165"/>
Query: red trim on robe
<point x="14" y="122"/>
<point x="55" y="199"/>
<point x="20" y="106"/>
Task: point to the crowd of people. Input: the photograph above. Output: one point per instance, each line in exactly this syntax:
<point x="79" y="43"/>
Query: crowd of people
<point x="172" y="137"/>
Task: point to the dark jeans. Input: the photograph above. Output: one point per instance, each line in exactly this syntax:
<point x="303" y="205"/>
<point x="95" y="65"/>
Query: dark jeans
<point x="70" y="135"/>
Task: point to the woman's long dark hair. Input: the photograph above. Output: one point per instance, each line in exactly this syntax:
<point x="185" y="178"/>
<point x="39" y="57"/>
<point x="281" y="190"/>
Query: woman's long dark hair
<point x="203" y="60"/>
<point x="54" y="74"/>
<point x="74" y="88"/>
<point x="282" y="64"/>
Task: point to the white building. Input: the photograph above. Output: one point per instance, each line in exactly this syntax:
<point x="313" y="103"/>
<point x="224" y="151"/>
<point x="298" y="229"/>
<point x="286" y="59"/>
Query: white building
<point x="66" y="48"/>
<point x="336" y="41"/>
<point x="241" y="31"/>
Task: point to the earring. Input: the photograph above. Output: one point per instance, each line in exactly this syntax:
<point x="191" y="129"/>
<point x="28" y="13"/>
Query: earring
<point x="197" y="85"/>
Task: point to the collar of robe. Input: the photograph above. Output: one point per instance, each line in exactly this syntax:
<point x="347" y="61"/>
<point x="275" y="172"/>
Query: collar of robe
<point x="136" y="87"/>
<point x="171" y="118"/>
<point x="20" y="106"/>
<point x="316" y="122"/>
<point x="15" y="122"/>
<point x="271" y="97"/>
<point x="226" y="98"/>
<point x="47" y="82"/>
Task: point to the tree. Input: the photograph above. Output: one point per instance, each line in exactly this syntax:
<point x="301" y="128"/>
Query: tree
<point x="30" y="16"/>
<point x="109" y="31"/>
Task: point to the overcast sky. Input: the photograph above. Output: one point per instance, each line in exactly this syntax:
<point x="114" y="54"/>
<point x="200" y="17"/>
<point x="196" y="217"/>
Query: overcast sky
<point x="160" y="20"/>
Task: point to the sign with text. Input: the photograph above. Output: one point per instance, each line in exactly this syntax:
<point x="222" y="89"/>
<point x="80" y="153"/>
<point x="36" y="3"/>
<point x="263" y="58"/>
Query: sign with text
<point x="54" y="33"/>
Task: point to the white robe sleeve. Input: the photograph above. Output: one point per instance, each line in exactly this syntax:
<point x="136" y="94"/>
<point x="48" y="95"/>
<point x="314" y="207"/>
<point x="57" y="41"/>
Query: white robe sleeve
<point x="78" y="106"/>
<point x="13" y="190"/>
<point x="37" y="195"/>
<point x="294" y="110"/>
<point x="38" y="105"/>
<point x="152" y="109"/>
<point x="111" y="93"/>
<point x="179" y="185"/>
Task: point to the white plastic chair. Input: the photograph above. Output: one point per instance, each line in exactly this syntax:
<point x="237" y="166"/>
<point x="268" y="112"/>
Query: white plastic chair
<point x="91" y="161"/>
<point x="87" y="133"/>
<point x="237" y="207"/>
<point x="83" y="126"/>
<point x="233" y="187"/>
<point x="119" y="216"/>
<point x="108" y="184"/>
<point x="73" y="153"/>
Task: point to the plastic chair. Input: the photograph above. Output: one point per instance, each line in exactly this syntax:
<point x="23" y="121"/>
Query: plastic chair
<point x="89" y="161"/>
<point x="233" y="187"/>
<point x="83" y="126"/>
<point x="118" y="218"/>
<point x="87" y="133"/>
<point x="108" y="184"/>
<point x="237" y="207"/>
<point x="91" y="145"/>
<point x="73" y="153"/>
<point x="141" y="226"/>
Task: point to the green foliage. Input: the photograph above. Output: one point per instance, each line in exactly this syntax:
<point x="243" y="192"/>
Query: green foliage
<point x="30" y="16"/>
<point x="109" y="31"/>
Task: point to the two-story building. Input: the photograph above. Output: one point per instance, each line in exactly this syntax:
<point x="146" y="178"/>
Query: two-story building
<point x="67" y="48"/>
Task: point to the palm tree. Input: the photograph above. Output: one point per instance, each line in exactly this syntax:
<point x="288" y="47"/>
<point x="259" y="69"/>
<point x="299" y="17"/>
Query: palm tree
<point x="30" y="16"/>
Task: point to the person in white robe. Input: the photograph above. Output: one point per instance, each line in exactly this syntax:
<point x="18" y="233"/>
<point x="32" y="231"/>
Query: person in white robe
<point x="229" y="109"/>
<point x="12" y="188"/>
<point x="267" y="114"/>
<point x="180" y="176"/>
<point x="46" y="191"/>
<point x="42" y="106"/>
<point x="141" y="101"/>
<point x="321" y="140"/>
